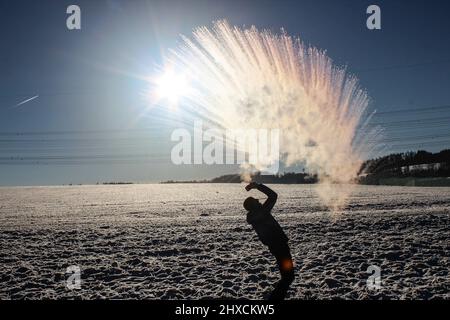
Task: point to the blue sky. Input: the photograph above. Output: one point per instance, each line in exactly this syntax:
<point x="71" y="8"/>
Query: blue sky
<point x="86" y="124"/>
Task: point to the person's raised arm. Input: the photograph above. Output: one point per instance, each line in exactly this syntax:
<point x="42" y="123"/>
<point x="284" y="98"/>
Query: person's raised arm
<point x="271" y="195"/>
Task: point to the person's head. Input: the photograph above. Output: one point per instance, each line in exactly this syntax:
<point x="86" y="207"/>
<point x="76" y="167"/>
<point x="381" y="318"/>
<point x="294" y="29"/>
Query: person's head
<point x="252" y="204"/>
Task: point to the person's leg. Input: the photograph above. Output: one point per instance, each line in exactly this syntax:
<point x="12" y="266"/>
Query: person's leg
<point x="286" y="266"/>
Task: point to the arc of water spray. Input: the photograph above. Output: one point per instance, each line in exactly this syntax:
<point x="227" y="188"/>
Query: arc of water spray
<point x="244" y="78"/>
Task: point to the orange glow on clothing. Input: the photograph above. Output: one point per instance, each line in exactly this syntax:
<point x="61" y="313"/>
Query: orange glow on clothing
<point x="287" y="265"/>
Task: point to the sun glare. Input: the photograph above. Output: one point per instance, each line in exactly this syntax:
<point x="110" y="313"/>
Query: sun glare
<point x="171" y="87"/>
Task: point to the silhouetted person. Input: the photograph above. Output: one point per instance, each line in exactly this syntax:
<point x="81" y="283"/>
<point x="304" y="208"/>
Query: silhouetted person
<point x="271" y="234"/>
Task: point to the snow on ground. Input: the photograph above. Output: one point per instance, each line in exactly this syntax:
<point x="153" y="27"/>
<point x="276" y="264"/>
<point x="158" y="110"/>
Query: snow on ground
<point x="192" y="241"/>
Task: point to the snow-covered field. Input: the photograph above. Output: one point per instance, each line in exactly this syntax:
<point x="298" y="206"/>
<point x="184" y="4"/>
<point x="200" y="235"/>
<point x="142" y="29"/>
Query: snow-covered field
<point x="192" y="241"/>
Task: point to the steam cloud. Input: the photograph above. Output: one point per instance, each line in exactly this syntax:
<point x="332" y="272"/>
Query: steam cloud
<point x="249" y="78"/>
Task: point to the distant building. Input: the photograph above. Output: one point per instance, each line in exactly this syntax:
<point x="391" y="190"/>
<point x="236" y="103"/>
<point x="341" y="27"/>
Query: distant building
<point x="423" y="167"/>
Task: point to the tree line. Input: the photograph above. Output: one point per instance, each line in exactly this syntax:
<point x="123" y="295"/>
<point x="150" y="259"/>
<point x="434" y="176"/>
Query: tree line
<point x="407" y="164"/>
<point x="396" y="165"/>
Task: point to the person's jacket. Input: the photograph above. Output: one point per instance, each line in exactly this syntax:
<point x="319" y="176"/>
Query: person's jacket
<point x="265" y="225"/>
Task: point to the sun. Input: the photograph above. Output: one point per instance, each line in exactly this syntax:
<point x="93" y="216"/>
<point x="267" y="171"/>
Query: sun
<point x="171" y="87"/>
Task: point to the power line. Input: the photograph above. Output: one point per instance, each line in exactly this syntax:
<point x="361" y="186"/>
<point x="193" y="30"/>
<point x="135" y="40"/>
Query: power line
<point x="88" y="162"/>
<point x="433" y="137"/>
<point x="415" y="110"/>
<point x="75" y="132"/>
<point x="435" y="143"/>
<point x="403" y="66"/>
<point x="79" y="157"/>
<point x="437" y="120"/>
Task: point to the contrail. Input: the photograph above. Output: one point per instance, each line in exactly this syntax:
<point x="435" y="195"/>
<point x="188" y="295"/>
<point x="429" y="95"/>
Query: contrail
<point x="25" y="101"/>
